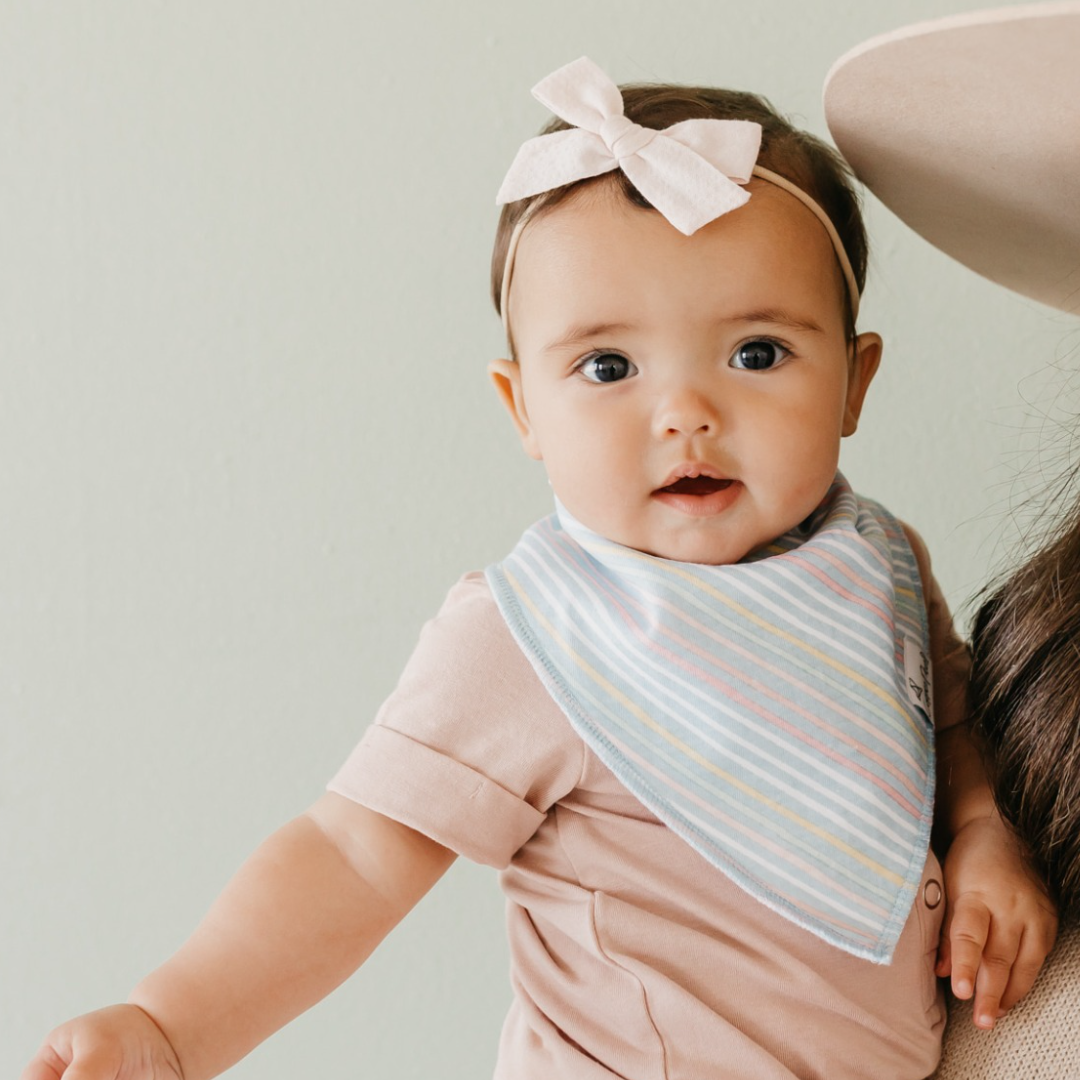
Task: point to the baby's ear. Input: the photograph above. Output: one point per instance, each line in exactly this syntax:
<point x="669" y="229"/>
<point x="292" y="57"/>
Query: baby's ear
<point x="506" y="378"/>
<point x="864" y="364"/>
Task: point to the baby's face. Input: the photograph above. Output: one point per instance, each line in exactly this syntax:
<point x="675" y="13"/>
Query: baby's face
<point x="687" y="395"/>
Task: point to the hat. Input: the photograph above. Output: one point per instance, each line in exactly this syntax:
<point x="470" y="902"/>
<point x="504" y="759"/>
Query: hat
<point x="968" y="128"/>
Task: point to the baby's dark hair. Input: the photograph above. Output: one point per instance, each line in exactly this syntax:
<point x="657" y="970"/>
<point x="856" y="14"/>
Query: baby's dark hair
<point x="805" y="160"/>
<point x="1026" y="706"/>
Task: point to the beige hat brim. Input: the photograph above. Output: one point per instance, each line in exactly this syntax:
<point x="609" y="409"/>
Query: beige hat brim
<point x="968" y="128"/>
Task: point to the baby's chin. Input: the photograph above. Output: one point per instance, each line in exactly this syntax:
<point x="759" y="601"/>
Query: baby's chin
<point x="702" y="546"/>
<point x="702" y="554"/>
<point x="711" y="542"/>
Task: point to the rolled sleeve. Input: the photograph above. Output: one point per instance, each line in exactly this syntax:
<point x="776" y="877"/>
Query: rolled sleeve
<point x="469" y="749"/>
<point x="445" y="799"/>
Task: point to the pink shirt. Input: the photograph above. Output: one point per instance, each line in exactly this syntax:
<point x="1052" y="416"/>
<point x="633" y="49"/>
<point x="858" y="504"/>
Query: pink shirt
<point x="631" y="955"/>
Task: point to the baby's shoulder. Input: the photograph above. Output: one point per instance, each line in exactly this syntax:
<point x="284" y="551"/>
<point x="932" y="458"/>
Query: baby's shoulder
<point x="469" y="619"/>
<point x="468" y="648"/>
<point x="471" y="591"/>
<point x="898" y="529"/>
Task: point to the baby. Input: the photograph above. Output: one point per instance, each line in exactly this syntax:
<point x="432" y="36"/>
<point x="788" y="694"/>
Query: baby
<point x="690" y="717"/>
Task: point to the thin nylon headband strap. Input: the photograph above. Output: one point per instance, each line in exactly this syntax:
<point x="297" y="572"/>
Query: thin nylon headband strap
<point x="764" y="174"/>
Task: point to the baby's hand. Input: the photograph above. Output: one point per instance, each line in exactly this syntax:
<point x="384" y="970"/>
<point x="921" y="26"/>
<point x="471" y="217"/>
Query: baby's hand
<point x="999" y="922"/>
<point x="118" y="1043"/>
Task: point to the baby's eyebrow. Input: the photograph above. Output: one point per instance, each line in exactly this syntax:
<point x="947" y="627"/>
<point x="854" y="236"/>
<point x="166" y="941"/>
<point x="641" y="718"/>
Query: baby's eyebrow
<point x="776" y="316"/>
<point x="582" y="332"/>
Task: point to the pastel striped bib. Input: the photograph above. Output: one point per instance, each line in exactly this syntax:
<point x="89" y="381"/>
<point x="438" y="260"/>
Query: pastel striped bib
<point x="774" y="713"/>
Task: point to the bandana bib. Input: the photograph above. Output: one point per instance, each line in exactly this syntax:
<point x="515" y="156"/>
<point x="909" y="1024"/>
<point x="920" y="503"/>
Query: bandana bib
<point x="775" y="713"/>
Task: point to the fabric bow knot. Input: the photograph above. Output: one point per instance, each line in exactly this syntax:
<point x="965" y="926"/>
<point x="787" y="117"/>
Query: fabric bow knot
<point x="623" y="137"/>
<point x="691" y="172"/>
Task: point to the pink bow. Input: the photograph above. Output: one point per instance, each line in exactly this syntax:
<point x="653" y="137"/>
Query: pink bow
<point x="690" y="172"/>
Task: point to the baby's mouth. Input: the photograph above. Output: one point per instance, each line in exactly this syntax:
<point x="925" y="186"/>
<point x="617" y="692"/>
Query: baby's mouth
<point x="697" y="485"/>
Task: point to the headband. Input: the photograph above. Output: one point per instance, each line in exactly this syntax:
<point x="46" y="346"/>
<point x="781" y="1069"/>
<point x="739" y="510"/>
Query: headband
<point x="691" y="172"/>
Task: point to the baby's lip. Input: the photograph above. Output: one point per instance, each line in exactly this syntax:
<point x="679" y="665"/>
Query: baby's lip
<point x="694" y="470"/>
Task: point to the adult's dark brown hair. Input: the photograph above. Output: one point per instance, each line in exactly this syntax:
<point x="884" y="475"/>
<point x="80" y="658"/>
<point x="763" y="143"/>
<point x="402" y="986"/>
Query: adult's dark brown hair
<point x="1026" y="706"/>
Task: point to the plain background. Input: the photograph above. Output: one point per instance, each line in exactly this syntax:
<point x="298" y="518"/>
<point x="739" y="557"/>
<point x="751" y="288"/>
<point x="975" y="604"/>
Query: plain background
<point x="247" y="443"/>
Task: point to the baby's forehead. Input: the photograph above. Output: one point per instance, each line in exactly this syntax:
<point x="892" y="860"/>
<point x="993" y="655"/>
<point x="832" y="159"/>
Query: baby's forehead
<point x="597" y="249"/>
<point x="599" y="218"/>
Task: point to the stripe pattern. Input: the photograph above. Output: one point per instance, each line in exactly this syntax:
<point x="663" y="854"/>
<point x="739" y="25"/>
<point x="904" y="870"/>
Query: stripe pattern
<point x="762" y="710"/>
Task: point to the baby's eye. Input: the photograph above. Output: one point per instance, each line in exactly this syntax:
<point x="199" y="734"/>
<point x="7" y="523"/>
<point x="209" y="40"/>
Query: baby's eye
<point x="606" y="367"/>
<point x="759" y="355"/>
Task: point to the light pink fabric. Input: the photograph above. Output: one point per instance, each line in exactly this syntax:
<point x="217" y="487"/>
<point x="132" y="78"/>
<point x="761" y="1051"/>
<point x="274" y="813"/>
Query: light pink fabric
<point x="691" y="172"/>
<point x="632" y="957"/>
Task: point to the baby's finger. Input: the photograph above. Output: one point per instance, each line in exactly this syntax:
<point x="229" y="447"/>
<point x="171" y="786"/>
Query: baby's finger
<point x="998" y="958"/>
<point x="943" y="967"/>
<point x="47" y="1065"/>
<point x="967" y="932"/>
<point x="1033" y="951"/>
<point x="40" y="1070"/>
<point x="67" y="1064"/>
<point x="89" y="1070"/>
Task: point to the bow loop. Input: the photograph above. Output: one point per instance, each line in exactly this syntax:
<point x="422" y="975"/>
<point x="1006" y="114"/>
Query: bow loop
<point x="581" y="94"/>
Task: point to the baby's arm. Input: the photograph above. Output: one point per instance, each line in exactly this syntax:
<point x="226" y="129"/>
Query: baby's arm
<point x="999" y="922"/>
<point x="308" y="907"/>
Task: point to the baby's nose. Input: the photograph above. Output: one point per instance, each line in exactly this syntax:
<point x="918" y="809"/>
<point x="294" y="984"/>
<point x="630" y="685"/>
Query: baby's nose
<point x="687" y="411"/>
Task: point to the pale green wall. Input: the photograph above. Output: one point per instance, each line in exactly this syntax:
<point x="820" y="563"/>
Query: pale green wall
<point x="246" y="441"/>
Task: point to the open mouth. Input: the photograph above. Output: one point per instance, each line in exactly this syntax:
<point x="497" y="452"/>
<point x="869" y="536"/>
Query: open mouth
<point x="697" y="485"/>
<point x="699" y="495"/>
